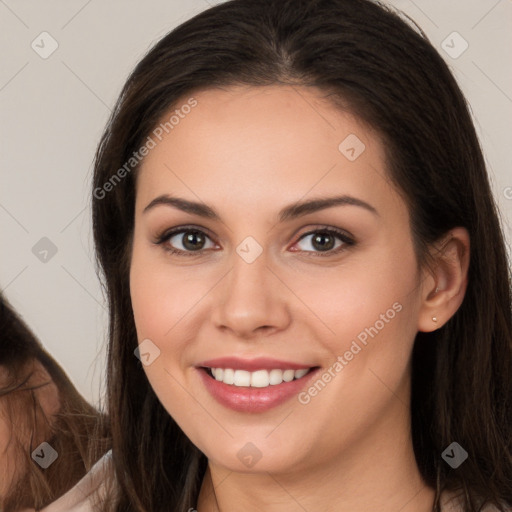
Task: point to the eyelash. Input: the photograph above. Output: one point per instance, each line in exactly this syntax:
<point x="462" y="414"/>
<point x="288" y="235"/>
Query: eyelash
<point x="166" y="235"/>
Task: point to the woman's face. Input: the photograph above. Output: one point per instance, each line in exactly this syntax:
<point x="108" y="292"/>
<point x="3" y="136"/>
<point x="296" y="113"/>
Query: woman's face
<point x="267" y="291"/>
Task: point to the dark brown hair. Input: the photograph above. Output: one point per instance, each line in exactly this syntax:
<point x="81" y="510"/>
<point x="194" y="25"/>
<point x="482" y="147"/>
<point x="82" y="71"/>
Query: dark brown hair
<point x="368" y="60"/>
<point x="77" y="432"/>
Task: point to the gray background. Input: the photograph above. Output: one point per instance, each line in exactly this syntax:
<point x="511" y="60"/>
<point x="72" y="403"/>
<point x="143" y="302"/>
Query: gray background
<point x="53" y="112"/>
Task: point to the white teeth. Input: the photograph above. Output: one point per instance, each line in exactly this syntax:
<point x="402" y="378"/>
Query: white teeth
<point x="260" y="379"/>
<point x="257" y="379"/>
<point x="242" y="378"/>
<point x="300" y="373"/>
<point x="288" y="375"/>
<point x="276" y="377"/>
<point x="229" y="376"/>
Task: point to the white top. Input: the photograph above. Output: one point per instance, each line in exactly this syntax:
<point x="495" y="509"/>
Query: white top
<point x="80" y="497"/>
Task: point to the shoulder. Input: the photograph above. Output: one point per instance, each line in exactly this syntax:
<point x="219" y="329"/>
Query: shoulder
<point x="81" y="497"/>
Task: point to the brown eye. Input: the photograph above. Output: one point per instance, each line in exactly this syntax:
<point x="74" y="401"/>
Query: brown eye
<point x="193" y="240"/>
<point x="324" y="241"/>
<point x="184" y="241"/>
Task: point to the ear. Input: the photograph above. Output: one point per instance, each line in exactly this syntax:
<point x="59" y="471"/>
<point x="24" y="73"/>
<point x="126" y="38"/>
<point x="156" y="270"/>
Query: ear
<point x="445" y="280"/>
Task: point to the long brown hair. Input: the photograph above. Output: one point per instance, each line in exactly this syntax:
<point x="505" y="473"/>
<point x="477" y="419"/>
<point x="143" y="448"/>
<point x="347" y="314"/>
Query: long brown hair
<point x="369" y="60"/>
<point x="77" y="432"/>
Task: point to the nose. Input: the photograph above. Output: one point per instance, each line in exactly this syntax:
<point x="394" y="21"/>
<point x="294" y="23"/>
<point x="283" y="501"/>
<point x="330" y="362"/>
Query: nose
<point x="251" y="300"/>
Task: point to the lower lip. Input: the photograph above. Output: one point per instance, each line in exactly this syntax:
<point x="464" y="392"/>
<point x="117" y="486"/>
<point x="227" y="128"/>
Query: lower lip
<point x="249" y="399"/>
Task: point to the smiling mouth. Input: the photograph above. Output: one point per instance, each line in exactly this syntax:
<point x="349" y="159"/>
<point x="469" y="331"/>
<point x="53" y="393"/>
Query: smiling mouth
<point x="256" y="379"/>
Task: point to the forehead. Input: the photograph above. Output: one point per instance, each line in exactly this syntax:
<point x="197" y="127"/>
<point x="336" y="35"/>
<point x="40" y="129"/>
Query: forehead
<point x="275" y="143"/>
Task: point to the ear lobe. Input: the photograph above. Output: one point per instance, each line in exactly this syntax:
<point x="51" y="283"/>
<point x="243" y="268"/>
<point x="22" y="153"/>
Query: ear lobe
<point x="446" y="282"/>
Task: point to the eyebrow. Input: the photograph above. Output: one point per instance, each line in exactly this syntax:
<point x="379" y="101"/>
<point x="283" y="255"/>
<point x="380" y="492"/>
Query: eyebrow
<point x="289" y="212"/>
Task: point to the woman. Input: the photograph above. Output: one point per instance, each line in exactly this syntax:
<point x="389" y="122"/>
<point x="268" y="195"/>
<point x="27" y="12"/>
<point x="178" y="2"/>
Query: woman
<point x="308" y="286"/>
<point x="46" y="428"/>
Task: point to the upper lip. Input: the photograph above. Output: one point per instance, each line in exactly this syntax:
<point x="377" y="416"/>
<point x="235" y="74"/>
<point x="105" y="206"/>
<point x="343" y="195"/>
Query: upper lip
<point x="251" y="365"/>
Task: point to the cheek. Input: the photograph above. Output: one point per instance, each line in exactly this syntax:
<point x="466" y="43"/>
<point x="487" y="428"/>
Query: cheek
<point x="166" y="304"/>
<point x="365" y="292"/>
<point x="371" y="312"/>
<point x="161" y="295"/>
<point x="161" y="298"/>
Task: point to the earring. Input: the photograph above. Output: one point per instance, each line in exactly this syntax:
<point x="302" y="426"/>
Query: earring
<point x="437" y="289"/>
<point x="434" y="318"/>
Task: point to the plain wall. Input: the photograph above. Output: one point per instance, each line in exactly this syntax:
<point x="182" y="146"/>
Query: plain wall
<point x="53" y="112"/>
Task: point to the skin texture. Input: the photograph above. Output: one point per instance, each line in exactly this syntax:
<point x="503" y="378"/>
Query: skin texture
<point x="248" y="152"/>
